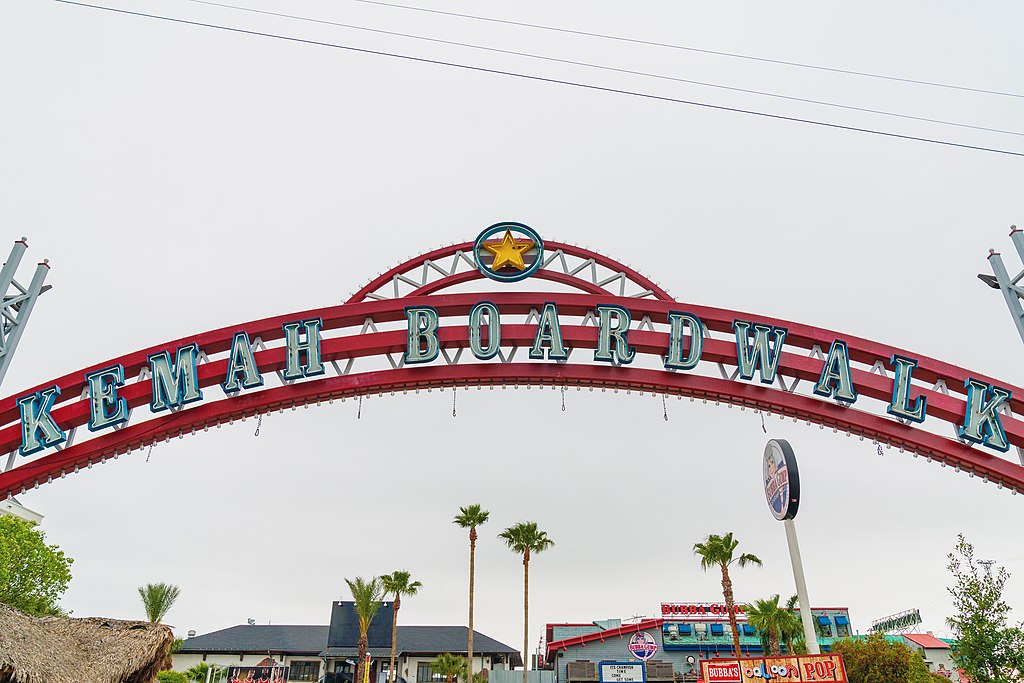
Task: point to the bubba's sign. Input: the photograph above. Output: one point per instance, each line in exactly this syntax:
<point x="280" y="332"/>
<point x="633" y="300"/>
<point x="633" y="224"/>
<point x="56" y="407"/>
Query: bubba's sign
<point x="799" y="669"/>
<point x="695" y="611"/>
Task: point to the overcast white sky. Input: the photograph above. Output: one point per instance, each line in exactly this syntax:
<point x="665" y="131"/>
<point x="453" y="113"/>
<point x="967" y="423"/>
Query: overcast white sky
<point x="182" y="179"/>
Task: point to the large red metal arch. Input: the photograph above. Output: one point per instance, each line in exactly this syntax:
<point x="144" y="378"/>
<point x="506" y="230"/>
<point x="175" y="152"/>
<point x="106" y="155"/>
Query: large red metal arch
<point x="353" y="333"/>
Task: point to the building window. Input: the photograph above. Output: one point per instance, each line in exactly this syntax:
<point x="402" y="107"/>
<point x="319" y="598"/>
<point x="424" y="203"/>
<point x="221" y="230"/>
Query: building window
<point x="304" y="671"/>
<point x="424" y="674"/>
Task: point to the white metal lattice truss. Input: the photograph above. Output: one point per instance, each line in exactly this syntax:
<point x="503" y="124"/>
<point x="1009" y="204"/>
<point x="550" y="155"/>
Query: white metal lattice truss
<point x="18" y="302"/>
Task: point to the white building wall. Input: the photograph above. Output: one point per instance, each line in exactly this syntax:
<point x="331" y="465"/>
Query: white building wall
<point x="409" y="665"/>
<point x="184" y="662"/>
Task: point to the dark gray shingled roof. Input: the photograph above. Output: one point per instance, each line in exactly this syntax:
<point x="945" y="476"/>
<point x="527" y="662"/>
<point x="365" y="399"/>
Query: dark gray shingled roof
<point x="432" y="639"/>
<point x="313" y="640"/>
<point x="309" y="640"/>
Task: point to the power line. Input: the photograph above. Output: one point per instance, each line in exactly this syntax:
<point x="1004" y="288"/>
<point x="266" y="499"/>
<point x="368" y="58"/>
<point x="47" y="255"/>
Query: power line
<point x="692" y="49"/>
<point x="606" y="68"/>
<point x="543" y="79"/>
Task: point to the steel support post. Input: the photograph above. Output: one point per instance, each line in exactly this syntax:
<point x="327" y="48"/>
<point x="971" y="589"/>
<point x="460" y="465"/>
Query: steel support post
<point x="1011" y="288"/>
<point x="801" y="589"/>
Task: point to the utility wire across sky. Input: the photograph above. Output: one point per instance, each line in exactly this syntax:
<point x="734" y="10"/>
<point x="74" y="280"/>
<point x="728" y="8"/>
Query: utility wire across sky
<point x="687" y="48"/>
<point x="544" y="79"/>
<point x="603" y="67"/>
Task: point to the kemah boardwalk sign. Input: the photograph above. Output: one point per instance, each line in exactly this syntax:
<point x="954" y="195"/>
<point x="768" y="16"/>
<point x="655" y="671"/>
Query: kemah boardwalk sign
<point x="904" y="621"/>
<point x="600" y="325"/>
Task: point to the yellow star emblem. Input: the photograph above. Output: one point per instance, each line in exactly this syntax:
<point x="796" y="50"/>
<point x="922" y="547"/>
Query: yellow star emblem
<point x="509" y="251"/>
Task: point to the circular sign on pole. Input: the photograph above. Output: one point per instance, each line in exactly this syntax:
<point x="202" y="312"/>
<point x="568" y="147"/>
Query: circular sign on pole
<point x="642" y="645"/>
<point x="781" y="479"/>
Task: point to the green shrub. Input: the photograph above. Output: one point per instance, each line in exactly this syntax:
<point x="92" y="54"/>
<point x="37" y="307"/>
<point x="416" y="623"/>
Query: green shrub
<point x="171" y="677"/>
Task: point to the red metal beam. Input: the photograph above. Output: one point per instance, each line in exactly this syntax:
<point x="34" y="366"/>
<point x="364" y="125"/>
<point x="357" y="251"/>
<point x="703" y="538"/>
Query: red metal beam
<point x="335" y="317"/>
<point x="206" y="414"/>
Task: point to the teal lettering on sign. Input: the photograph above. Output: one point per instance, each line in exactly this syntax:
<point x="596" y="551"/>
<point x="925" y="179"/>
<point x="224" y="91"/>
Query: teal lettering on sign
<point x="38" y="429"/>
<point x="175" y="383"/>
<point x="761" y="355"/>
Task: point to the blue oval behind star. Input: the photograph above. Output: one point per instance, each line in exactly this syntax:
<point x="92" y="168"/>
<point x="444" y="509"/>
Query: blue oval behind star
<point x="508" y="251"/>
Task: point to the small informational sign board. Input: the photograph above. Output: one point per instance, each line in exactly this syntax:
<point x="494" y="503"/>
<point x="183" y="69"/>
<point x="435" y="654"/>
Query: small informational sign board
<point x="621" y="672"/>
<point x="642" y="645"/>
<point x="800" y="669"/>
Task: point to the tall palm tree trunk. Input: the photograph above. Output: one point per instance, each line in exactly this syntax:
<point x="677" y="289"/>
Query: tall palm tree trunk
<point x="526" y="615"/>
<point x="773" y="643"/>
<point x="394" y="638"/>
<point x="472" y="571"/>
<point x="364" y="647"/>
<point x="730" y="606"/>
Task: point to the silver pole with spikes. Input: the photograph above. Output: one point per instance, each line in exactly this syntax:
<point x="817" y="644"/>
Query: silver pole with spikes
<point x="1011" y="287"/>
<point x="18" y="302"/>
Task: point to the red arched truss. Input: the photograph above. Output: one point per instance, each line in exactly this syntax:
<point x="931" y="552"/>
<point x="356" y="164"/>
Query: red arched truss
<point x="364" y="339"/>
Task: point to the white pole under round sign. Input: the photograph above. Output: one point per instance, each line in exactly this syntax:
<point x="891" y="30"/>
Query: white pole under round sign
<point x="782" y="490"/>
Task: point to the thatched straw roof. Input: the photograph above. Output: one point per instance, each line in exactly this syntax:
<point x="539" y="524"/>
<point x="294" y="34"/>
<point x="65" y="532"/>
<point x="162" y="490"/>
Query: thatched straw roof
<point x="91" y="650"/>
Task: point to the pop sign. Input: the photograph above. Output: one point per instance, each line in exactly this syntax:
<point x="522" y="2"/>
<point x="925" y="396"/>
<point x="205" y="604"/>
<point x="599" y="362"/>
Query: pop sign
<point x="642" y="645"/>
<point x="781" y="479"/>
<point x="800" y="669"/>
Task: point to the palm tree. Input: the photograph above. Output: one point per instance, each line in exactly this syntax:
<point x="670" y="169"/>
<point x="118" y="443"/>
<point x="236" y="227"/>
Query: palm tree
<point x="768" y="618"/>
<point x="367" y="596"/>
<point x="157" y="600"/>
<point x="791" y="628"/>
<point x="448" y="665"/>
<point x="526" y="538"/>
<point x="398" y="583"/>
<point x="470" y="517"/>
<point x="719" y="551"/>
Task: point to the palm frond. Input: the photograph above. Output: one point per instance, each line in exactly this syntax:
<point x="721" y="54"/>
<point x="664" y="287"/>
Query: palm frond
<point x="157" y="600"/>
<point x="525" y="536"/>
<point x="471" y="516"/>
<point x="367" y="597"/>
<point x="746" y="558"/>
<point x="448" y="664"/>
<point x="399" y="583"/>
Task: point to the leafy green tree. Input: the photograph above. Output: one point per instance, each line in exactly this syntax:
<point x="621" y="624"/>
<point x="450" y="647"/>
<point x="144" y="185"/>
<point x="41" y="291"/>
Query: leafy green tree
<point x="367" y="597"/>
<point x="877" y="660"/>
<point x="525" y="539"/>
<point x="399" y="583"/>
<point x="791" y="628"/>
<point x="171" y="677"/>
<point x="33" y="575"/>
<point x="768" y="618"/>
<point x="200" y="671"/>
<point x="986" y="648"/>
<point x="470" y="517"/>
<point x="720" y="551"/>
<point x="448" y="665"/>
<point x="158" y="599"/>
